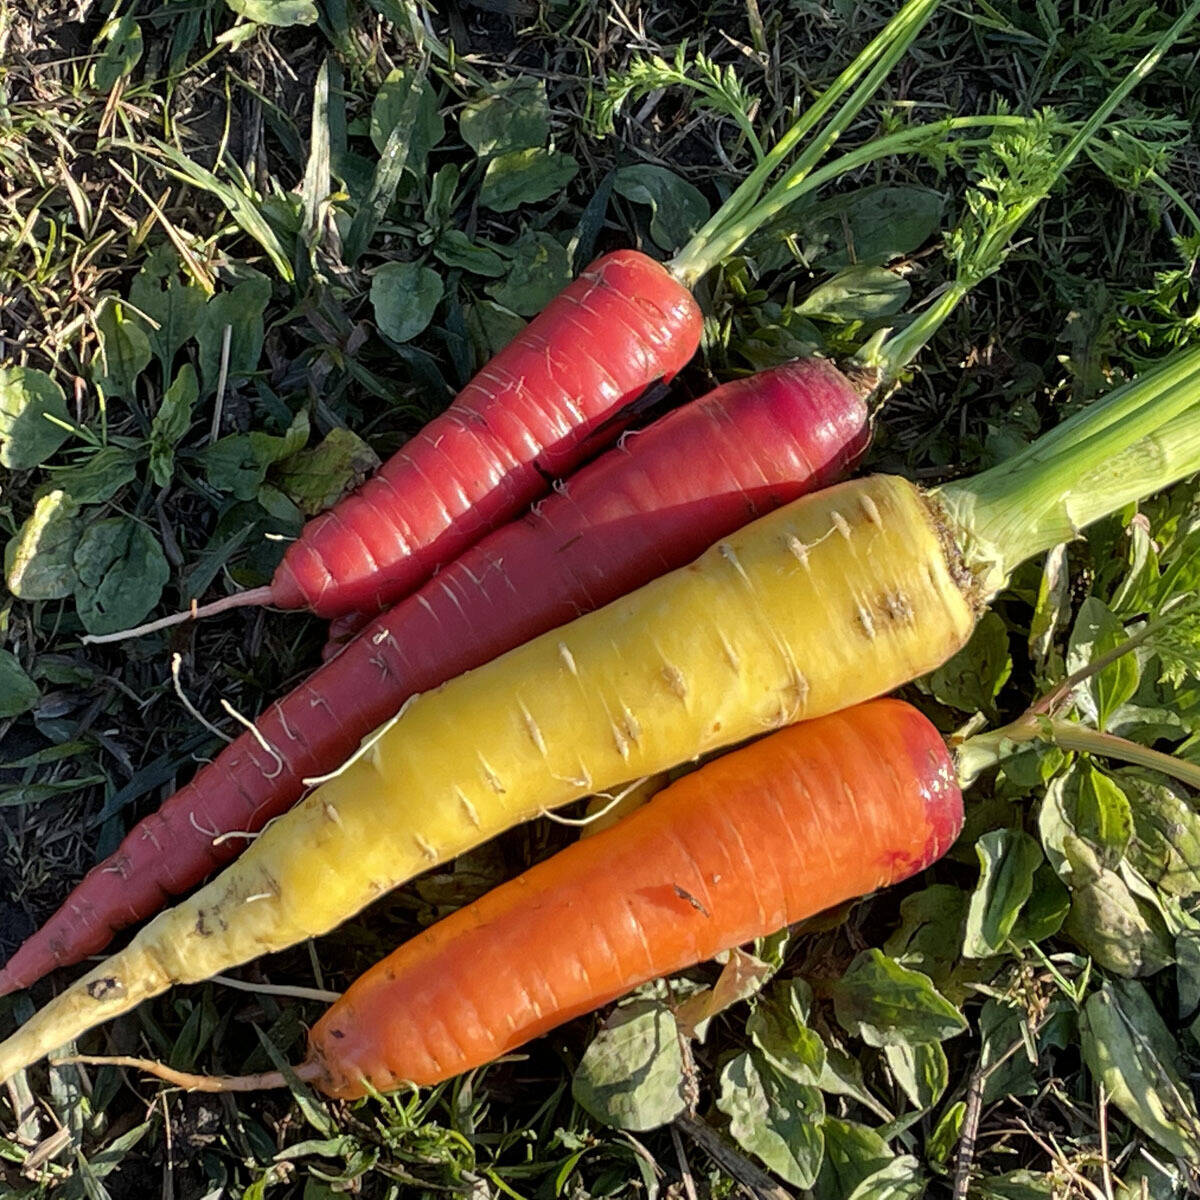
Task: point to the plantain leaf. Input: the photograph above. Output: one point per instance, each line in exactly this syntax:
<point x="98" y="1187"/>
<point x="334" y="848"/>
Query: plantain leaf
<point x="540" y="270"/>
<point x="677" y="209"/>
<point x="317" y="479"/>
<point x="513" y="115"/>
<point x="773" y="1117"/>
<point x="124" y="348"/>
<point x="171" y="423"/>
<point x="1008" y="859"/>
<point x="886" y="1004"/>
<point x="39" y="558"/>
<point x="18" y="693"/>
<point x="29" y="398"/>
<point x="404" y="296"/>
<point x="1129" y="1049"/>
<point x="121" y="571"/>
<point x="525" y="177"/>
<point x="631" y="1076"/>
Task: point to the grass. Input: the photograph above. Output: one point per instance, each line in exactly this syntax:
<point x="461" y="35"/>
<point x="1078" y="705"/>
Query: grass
<point x="175" y="142"/>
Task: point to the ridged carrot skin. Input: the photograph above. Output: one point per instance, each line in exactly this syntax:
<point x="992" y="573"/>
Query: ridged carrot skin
<point x="523" y="420"/>
<point x="831" y="600"/>
<point x="649" y="506"/>
<point x="763" y="837"/>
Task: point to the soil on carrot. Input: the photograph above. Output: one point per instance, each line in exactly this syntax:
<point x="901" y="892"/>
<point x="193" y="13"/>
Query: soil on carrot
<point x="198" y="191"/>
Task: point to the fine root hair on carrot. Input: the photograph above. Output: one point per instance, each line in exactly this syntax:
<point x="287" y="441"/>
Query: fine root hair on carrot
<point x="291" y="990"/>
<point x="613" y="800"/>
<point x="259" y="737"/>
<point x="367" y="744"/>
<point x="255" y="597"/>
<point x="192" y="710"/>
<point x="185" y="1079"/>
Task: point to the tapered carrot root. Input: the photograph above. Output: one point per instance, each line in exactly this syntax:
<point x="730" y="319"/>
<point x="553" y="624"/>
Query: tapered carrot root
<point x="829" y="601"/>
<point x="767" y="835"/>
<point x="651" y="505"/>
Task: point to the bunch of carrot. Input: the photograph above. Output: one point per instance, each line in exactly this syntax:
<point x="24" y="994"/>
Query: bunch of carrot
<point x="826" y="599"/>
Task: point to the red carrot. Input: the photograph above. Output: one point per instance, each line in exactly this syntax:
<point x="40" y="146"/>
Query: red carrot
<point x="527" y="416"/>
<point x="525" y="419"/>
<point x="651" y="505"/>
<point x="790" y="825"/>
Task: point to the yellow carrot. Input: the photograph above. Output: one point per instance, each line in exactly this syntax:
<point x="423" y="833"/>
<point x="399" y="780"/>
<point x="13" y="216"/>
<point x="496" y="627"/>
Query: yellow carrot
<point x="830" y="601"/>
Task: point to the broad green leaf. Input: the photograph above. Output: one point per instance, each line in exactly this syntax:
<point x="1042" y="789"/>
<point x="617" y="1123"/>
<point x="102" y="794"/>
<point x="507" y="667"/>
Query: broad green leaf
<point x="425" y="128"/>
<point x="174" y="305"/>
<point x="39" y="560"/>
<point x="540" y="270"/>
<point x="1187" y="970"/>
<point x="857" y="294"/>
<point x="872" y="227"/>
<point x="941" y="1142"/>
<point x="779" y="1029"/>
<point x="280" y="13"/>
<point x="1008" y="859"/>
<point x="1119" y="929"/>
<point x="455" y="249"/>
<point x="492" y="327"/>
<point x="901" y="1179"/>
<point x="970" y="680"/>
<point x="121" y="571"/>
<point x="29" y="398"/>
<point x="171" y="423"/>
<point x="930" y="931"/>
<point x="122" y="41"/>
<point x="1016" y="1185"/>
<point x="631" y="1076"/>
<point x="525" y="177"/>
<point x="1001" y="1027"/>
<point x="1044" y="911"/>
<point x="124" y="348"/>
<point x="1103" y="815"/>
<point x="886" y="1004"/>
<point x="1129" y="1049"/>
<point x="513" y="115"/>
<point x="317" y="479"/>
<point x="773" y="1117"/>
<point x="18" y="693"/>
<point x="921" y="1069"/>
<point x="1095" y="632"/>
<point x="99" y="477"/>
<point x="677" y="209"/>
<point x="404" y="296"/>
<point x="240" y="310"/>
<point x="1166" y="842"/>
<point x="853" y="1152"/>
<point x="239" y="463"/>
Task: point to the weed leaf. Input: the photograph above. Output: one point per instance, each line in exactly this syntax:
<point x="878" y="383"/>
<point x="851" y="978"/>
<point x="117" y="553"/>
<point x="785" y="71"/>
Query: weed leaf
<point x="773" y="1117"/>
<point x="29" y="398"/>
<point x="540" y="270"/>
<point x="121" y="571"/>
<point x="39" y="558"/>
<point x="1008" y="859"/>
<point x="404" y="296"/>
<point x="317" y="479"/>
<point x="677" y="209"/>
<point x="513" y="115"/>
<point x="1129" y="1049"/>
<point x="631" y="1076"/>
<point x="525" y="177"/>
<point x="18" y="693"/>
<point x="281" y="13"/>
<point x="171" y="423"/>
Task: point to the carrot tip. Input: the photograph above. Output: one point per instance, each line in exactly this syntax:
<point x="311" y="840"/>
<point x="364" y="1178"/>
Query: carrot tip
<point x="262" y="595"/>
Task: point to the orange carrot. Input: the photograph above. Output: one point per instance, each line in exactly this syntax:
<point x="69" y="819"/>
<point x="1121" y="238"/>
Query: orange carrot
<point x="802" y="820"/>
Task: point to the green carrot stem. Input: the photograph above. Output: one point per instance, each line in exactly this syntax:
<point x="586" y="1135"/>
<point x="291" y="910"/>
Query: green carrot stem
<point x="1070" y="735"/>
<point x="1138" y="439"/>
<point x="742" y="213"/>
<point x="892" y="355"/>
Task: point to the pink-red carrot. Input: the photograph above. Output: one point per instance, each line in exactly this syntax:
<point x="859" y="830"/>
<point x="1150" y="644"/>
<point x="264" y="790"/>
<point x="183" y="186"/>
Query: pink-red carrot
<point x="790" y="825"/>
<point x="527" y="417"/>
<point x="649" y="506"/>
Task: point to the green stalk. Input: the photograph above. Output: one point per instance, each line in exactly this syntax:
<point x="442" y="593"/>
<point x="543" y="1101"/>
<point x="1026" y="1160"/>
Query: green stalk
<point x="891" y="356"/>
<point x="1135" y="441"/>
<point x="743" y="212"/>
<point x="986" y="749"/>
